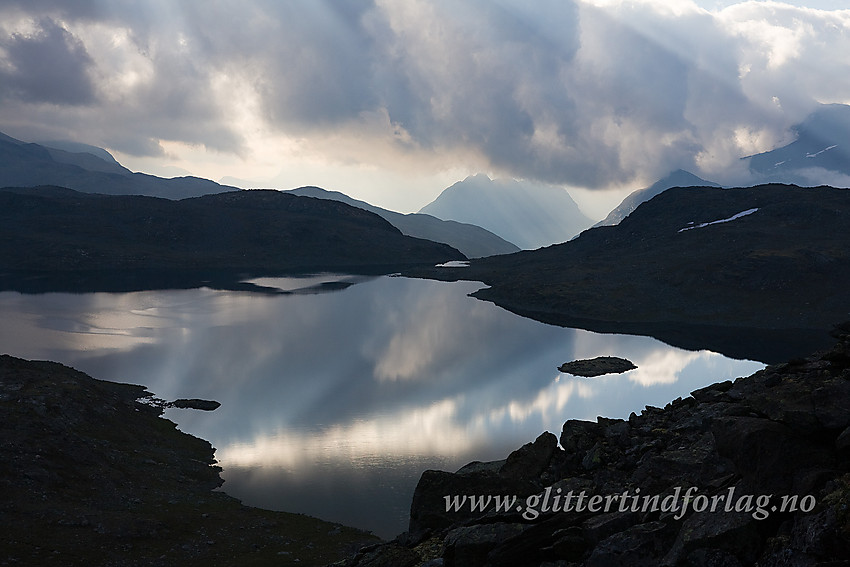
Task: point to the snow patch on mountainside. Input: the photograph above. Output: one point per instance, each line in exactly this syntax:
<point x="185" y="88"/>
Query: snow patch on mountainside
<point x="733" y="217"/>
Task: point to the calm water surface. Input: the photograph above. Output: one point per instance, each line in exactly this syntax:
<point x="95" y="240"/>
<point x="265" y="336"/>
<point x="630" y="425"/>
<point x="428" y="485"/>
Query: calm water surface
<point x="334" y="403"/>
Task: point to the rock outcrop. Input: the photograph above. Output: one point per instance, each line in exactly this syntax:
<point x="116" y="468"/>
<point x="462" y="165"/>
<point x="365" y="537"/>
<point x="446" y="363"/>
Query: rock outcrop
<point x="90" y="474"/>
<point x="750" y="472"/>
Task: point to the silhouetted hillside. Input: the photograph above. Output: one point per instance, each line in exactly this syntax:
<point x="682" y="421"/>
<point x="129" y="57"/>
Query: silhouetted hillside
<point x="79" y="240"/>
<point x="742" y="269"/>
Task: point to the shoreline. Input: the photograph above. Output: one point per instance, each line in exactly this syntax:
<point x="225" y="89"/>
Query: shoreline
<point x="775" y="446"/>
<point x="92" y="474"/>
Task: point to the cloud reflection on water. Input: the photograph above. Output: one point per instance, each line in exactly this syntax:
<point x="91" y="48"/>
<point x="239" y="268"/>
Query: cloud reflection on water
<point x="388" y="377"/>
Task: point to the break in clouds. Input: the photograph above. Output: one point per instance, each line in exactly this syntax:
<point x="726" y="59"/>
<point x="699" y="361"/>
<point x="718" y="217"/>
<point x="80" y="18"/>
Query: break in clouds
<point x="579" y="92"/>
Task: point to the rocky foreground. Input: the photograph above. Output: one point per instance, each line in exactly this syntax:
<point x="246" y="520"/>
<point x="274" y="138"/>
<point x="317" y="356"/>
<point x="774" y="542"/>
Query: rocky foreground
<point x="91" y="475"/>
<point x="750" y="472"/>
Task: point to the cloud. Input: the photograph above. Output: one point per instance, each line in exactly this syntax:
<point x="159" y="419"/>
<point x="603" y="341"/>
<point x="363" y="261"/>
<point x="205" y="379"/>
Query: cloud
<point x="590" y="93"/>
<point x="78" y="9"/>
<point x="49" y="65"/>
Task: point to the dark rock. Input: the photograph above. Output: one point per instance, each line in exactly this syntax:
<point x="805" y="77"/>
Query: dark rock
<point x="599" y="527"/>
<point x="707" y="394"/>
<point x="841" y="331"/>
<point x="194" y="403"/>
<point x="842" y="443"/>
<point x="817" y="534"/>
<point x="712" y="558"/>
<point x="579" y="436"/>
<point x="597" y="366"/>
<point x="390" y="555"/>
<point x="780" y="553"/>
<point x="731" y="532"/>
<point x="691" y="463"/>
<point x="569" y="543"/>
<point x="530" y="460"/>
<point x="765" y="453"/>
<point x="636" y="546"/>
<point x="469" y="546"/>
<point x="576" y="485"/>
<point x="428" y="509"/>
<point x="832" y="404"/>
<point x="549" y="540"/>
<point x="812" y="480"/>
<point x="479" y="467"/>
<point x="594" y="458"/>
<point x="617" y="431"/>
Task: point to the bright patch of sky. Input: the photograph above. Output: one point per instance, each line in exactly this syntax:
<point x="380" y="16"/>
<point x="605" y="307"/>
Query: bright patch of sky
<point x="814" y="4"/>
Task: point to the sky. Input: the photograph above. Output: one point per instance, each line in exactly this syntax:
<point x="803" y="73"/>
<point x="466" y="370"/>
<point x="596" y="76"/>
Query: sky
<point x="391" y="101"/>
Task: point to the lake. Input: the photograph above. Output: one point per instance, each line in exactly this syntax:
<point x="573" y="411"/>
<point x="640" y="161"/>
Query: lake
<point x="337" y="395"/>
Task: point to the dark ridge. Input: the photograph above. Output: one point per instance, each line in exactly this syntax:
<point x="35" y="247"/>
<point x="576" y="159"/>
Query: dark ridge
<point x="53" y="238"/>
<point x="762" y="286"/>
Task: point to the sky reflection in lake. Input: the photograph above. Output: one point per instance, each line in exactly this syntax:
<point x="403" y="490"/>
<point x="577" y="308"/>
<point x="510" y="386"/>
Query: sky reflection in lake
<point x="334" y="403"/>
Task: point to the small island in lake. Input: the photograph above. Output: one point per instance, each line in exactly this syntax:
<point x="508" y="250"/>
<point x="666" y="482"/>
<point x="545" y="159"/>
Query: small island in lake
<point x="598" y="366"/>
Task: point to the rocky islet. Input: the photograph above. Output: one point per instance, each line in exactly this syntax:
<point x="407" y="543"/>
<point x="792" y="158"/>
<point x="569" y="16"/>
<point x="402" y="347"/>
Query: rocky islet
<point x="598" y="366"/>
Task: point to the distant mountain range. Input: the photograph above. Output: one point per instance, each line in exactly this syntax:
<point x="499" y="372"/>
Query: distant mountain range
<point x="739" y="271"/>
<point x="528" y="215"/>
<point x="678" y="178"/>
<point x="54" y="238"/>
<point x="89" y="169"/>
<point x="822" y="145"/>
<point x="473" y="241"/>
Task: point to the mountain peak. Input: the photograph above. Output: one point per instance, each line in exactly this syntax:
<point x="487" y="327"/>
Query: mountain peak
<point x="677" y="178"/>
<point x="529" y="215"/>
<point x="821" y="149"/>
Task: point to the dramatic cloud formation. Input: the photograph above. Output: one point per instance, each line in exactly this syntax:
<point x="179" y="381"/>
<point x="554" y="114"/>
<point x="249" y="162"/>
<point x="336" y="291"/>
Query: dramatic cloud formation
<point x="588" y="93"/>
<point x="48" y="66"/>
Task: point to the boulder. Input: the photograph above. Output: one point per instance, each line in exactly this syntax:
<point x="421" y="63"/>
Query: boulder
<point x="469" y="546"/>
<point x="529" y="461"/>
<point x="636" y="546"/>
